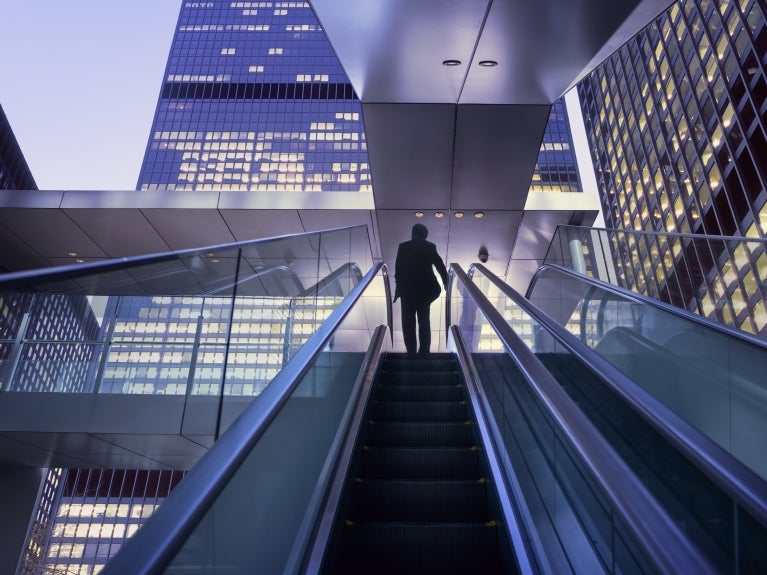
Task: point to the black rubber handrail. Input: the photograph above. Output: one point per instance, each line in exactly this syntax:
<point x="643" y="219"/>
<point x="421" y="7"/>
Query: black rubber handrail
<point x="661" y="540"/>
<point x="641" y="299"/>
<point x="155" y="545"/>
<point x="350" y="267"/>
<point x="747" y="488"/>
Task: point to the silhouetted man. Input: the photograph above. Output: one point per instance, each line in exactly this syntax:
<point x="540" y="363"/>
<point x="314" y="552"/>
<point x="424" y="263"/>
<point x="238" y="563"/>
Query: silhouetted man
<point x="417" y="286"/>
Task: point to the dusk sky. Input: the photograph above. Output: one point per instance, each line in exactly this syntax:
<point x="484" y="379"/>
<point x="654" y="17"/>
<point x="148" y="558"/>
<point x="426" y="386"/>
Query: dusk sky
<point x="80" y="81"/>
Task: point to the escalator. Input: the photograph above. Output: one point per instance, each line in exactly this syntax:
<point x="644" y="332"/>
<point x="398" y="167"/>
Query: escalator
<point x="659" y="420"/>
<point x="419" y="498"/>
<point x="517" y="452"/>
<point x="466" y="462"/>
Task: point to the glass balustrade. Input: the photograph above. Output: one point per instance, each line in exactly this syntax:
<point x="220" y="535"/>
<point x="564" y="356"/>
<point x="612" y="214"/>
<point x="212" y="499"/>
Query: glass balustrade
<point x="720" y="278"/>
<point x="216" y="321"/>
<point x="714" y="379"/>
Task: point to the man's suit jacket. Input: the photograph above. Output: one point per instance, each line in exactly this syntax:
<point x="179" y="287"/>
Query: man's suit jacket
<point x="413" y="273"/>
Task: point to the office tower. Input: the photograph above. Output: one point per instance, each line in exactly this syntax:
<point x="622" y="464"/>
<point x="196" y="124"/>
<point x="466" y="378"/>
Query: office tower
<point x="556" y="169"/>
<point x="14" y="171"/>
<point x="254" y="99"/>
<point x="677" y="126"/>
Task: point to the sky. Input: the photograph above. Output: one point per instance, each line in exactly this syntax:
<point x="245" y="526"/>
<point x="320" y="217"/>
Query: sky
<point x="79" y="82"/>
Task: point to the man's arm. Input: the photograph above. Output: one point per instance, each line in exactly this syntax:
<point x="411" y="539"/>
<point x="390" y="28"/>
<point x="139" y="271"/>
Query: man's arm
<point x="397" y="272"/>
<point x="440" y="265"/>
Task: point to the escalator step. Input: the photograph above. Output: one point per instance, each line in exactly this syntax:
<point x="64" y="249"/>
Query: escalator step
<point x="431" y="362"/>
<point x="422" y="392"/>
<point x="419" y="501"/>
<point x="420" y="463"/>
<point x="418" y="377"/>
<point x="418" y="411"/>
<point x="413" y="434"/>
<point x="410" y="548"/>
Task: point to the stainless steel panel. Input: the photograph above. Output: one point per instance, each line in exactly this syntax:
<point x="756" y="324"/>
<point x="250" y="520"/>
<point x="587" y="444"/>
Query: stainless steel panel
<point x="392" y="50"/>
<point x="411" y="154"/>
<point x="50" y="232"/>
<point x="119" y="232"/>
<point x="496" y="148"/>
<point x="183" y="228"/>
<point x="252" y="224"/>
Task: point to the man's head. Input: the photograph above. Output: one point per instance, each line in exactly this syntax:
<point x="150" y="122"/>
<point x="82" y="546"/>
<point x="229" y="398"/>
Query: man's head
<point x="420" y="232"/>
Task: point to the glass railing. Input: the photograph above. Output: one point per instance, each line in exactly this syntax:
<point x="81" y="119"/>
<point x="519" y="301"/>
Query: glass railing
<point x="721" y="503"/>
<point x="711" y="376"/>
<point x="218" y="321"/>
<point x="583" y="509"/>
<point x="250" y="504"/>
<point x="720" y="278"/>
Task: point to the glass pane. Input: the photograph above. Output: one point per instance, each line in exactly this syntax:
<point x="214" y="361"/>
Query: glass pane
<point x="254" y="522"/>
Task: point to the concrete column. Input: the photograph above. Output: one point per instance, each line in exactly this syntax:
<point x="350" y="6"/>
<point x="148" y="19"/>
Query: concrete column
<point x="576" y="251"/>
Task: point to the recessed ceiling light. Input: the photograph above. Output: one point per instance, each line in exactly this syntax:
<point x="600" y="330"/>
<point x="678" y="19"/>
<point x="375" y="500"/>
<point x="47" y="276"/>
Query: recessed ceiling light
<point x="488" y="63"/>
<point x="451" y="62"/>
<point x="458" y="214"/>
<point x="73" y="254"/>
<point x="419" y="214"/>
<point x="439" y="214"/>
<point x="80" y="261"/>
<point x="479" y="215"/>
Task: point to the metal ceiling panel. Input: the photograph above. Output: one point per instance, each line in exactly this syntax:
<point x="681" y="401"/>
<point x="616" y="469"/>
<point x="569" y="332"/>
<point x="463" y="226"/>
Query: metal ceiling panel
<point x="50" y="232"/>
<point x="411" y="154"/>
<point x="119" y="232"/>
<point x="184" y="228"/>
<point x="392" y="50"/>
<point x="12" y="244"/>
<point x="247" y="224"/>
<point x="330" y="219"/>
<point x="496" y="149"/>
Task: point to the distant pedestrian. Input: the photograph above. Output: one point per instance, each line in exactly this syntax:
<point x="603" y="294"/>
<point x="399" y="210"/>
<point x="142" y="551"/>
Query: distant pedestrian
<point x="417" y="286"/>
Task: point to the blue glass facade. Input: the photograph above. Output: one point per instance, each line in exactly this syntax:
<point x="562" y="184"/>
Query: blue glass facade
<point x="254" y="99"/>
<point x="677" y="126"/>
<point x="14" y="171"/>
<point x="556" y="169"/>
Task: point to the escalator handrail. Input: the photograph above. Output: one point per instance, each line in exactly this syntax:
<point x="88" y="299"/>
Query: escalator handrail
<point x="341" y="455"/>
<point x="656" y="534"/>
<point x="161" y="537"/>
<point x="349" y="267"/>
<point x="642" y="299"/>
<point x="482" y="412"/>
<point x="666" y="234"/>
<point x="357" y="273"/>
<point x="12" y="280"/>
<point x="747" y="488"/>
